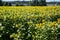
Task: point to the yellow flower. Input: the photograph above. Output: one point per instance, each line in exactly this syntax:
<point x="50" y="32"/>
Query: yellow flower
<point x="49" y="14"/>
<point x="53" y="24"/>
<point x="12" y="35"/>
<point x="28" y="17"/>
<point x="35" y="33"/>
<point x="17" y="25"/>
<point x="19" y="33"/>
<point x="43" y="24"/>
<point x="43" y="21"/>
<point x="39" y="25"/>
<point x="32" y="16"/>
<point x="58" y="20"/>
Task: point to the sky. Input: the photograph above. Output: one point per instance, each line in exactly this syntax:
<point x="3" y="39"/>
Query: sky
<point x="27" y="0"/>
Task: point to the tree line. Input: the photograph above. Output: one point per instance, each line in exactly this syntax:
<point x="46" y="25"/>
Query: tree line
<point x="32" y="3"/>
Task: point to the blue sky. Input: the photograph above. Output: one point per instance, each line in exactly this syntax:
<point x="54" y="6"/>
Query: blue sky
<point x="27" y="0"/>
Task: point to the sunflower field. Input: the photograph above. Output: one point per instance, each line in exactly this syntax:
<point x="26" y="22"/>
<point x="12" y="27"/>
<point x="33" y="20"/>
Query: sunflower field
<point x="30" y="23"/>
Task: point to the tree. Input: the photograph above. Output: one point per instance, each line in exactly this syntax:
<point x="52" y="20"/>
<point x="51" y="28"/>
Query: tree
<point x="39" y="2"/>
<point x="17" y="4"/>
<point x="35" y="2"/>
<point x="5" y="4"/>
<point x="10" y="4"/>
<point x="43" y="2"/>
<point x="30" y="3"/>
<point x="1" y="3"/>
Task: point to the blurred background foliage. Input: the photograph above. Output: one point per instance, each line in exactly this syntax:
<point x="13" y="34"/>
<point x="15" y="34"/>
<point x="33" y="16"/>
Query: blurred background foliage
<point x="32" y="3"/>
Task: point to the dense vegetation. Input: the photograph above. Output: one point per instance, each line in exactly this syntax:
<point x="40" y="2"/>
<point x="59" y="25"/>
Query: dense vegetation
<point x="1" y="3"/>
<point x="31" y="3"/>
<point x="29" y="23"/>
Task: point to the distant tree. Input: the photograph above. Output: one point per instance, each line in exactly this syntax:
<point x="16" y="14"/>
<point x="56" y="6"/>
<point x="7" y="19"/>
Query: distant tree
<point x="30" y="2"/>
<point x="43" y="2"/>
<point x="17" y="4"/>
<point x="5" y="4"/>
<point x="1" y="3"/>
<point x="39" y="2"/>
<point x="35" y="2"/>
<point x="10" y="4"/>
